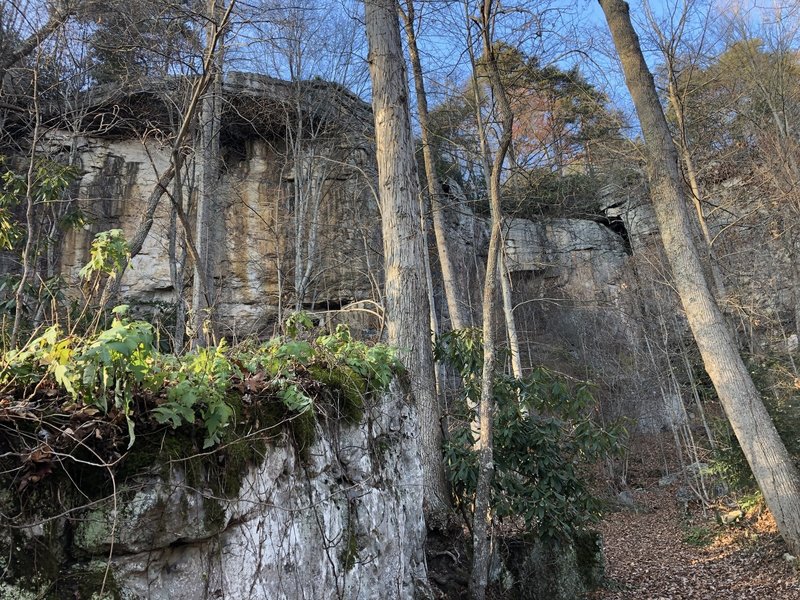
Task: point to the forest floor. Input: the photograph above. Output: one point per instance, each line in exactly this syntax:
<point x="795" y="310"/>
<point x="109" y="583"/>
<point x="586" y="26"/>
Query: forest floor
<point x="663" y="549"/>
<point x="660" y="544"/>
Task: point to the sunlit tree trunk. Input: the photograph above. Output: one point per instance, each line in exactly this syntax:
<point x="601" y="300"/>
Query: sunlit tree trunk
<point x="508" y="314"/>
<point x="456" y="304"/>
<point x="502" y="270"/>
<point x="771" y="464"/>
<point x="481" y="528"/>
<point x="207" y="210"/>
<point x="694" y="186"/>
<point x="406" y="299"/>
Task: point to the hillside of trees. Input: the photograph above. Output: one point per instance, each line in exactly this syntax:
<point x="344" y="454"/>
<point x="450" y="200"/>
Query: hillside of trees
<point x="547" y="238"/>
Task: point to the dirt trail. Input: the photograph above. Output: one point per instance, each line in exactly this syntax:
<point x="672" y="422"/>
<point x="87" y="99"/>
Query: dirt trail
<point x="656" y="553"/>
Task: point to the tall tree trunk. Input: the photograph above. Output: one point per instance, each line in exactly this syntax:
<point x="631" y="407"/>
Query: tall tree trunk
<point x="771" y="464"/>
<point x="503" y="272"/>
<point x="177" y="261"/>
<point x="207" y="212"/>
<point x="406" y="298"/>
<point x="456" y="303"/>
<point x="481" y="528"/>
<point x="508" y="314"/>
<point x="694" y="186"/>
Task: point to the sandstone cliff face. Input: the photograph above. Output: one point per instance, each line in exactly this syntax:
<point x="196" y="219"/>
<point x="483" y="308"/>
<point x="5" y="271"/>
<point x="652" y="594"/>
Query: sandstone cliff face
<point x="256" y="237"/>
<point x="289" y="219"/>
<point x="583" y="259"/>
<point x="576" y="307"/>
<point x="345" y="521"/>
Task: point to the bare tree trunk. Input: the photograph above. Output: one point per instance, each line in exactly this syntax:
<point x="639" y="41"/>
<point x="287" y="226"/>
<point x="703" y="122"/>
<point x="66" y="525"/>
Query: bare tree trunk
<point x="771" y="464"/>
<point x="406" y="297"/>
<point x="207" y="213"/>
<point x="456" y="304"/>
<point x="794" y="254"/>
<point x="310" y="173"/>
<point x="508" y="314"/>
<point x="503" y="273"/>
<point x="177" y="258"/>
<point x="28" y="252"/>
<point x="694" y="186"/>
<point x="482" y="518"/>
<point x="481" y="528"/>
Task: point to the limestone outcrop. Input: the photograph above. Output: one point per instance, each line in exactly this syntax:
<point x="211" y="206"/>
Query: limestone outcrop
<point x="344" y="520"/>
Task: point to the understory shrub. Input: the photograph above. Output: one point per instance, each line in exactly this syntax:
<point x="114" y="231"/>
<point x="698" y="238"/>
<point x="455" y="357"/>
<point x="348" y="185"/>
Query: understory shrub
<point x="544" y="439"/>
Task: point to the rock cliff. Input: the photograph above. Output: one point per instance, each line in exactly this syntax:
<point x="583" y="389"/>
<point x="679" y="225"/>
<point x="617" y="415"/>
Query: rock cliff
<point x="294" y="222"/>
<point x="342" y="520"/>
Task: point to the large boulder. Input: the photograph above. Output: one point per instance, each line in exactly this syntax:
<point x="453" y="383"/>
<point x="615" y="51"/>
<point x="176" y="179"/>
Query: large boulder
<point x="342" y="519"/>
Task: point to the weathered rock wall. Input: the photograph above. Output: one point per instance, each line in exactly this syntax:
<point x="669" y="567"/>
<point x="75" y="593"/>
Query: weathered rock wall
<point x="293" y="219"/>
<point x="588" y="296"/>
<point x="256" y="237"/>
<point x="345" y="521"/>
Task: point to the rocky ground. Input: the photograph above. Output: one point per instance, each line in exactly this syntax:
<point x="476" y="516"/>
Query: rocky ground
<point x="661" y="548"/>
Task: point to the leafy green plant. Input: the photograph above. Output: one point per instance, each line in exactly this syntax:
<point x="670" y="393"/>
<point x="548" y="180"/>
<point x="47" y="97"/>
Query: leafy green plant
<point x="12" y="193"/>
<point x="111" y="365"/>
<point x="36" y="185"/>
<point x="729" y="462"/>
<point x="751" y="501"/>
<point x="113" y="368"/>
<point x="543" y="436"/>
<point x="48" y="180"/>
<point x="46" y="354"/>
<point x="108" y="255"/>
<point x="196" y="385"/>
<point x="103" y="370"/>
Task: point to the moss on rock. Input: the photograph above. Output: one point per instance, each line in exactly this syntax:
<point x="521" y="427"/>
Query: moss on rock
<point x="346" y="390"/>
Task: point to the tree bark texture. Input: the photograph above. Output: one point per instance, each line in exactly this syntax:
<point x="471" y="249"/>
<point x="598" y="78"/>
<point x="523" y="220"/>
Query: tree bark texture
<point x="406" y="299"/>
<point x="694" y="186"/>
<point x="508" y="314"/>
<point x="208" y="216"/>
<point x="763" y="448"/>
<point x="457" y="307"/>
<point x="481" y="528"/>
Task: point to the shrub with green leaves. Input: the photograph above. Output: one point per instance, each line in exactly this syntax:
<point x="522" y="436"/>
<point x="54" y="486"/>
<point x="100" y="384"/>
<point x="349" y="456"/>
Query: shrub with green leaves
<point x="48" y="181"/>
<point x="195" y="387"/>
<point x="111" y="369"/>
<point x="41" y="185"/>
<point x="544" y="435"/>
<point x="108" y="254"/>
<point x="103" y="370"/>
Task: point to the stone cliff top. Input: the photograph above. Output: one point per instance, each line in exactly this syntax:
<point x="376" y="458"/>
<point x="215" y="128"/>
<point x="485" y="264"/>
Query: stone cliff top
<point x="254" y="104"/>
